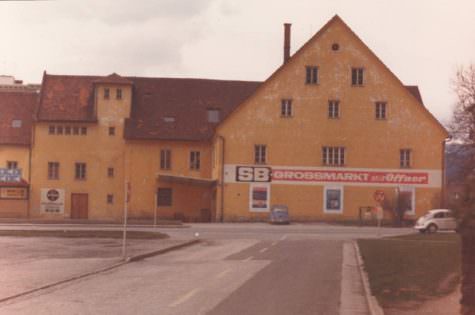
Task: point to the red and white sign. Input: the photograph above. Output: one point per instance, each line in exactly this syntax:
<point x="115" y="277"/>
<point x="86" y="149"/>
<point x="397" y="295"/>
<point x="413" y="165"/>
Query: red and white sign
<point x="316" y="176"/>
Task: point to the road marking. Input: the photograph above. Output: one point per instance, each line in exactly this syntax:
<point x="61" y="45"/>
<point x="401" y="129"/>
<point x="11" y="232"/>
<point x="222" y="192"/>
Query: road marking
<point x="283" y="237"/>
<point x="222" y="273"/>
<point x="184" y="298"/>
<point x="263" y="250"/>
<point x="249" y="258"/>
<point x="273" y="244"/>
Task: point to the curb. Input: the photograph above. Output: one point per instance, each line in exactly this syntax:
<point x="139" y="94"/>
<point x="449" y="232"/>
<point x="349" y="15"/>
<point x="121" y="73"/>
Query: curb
<point x="374" y="307"/>
<point x="114" y="266"/>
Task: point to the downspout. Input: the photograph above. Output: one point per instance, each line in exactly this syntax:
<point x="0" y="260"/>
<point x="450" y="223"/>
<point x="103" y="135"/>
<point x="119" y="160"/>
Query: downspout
<point x="30" y="148"/>
<point x="444" y="175"/>
<point x="222" y="178"/>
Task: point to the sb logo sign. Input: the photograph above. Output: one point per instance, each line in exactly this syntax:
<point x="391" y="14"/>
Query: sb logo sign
<point x="253" y="174"/>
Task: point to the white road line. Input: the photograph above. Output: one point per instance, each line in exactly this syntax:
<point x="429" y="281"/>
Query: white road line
<point x="222" y="273"/>
<point x="263" y="250"/>
<point x="283" y="237"/>
<point x="249" y="258"/>
<point x="184" y="298"/>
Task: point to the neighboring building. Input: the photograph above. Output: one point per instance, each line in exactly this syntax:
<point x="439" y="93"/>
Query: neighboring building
<point x="325" y="132"/>
<point x="8" y="83"/>
<point x="16" y="120"/>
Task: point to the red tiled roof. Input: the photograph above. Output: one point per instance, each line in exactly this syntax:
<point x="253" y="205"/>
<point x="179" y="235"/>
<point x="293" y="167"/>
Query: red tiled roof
<point x="184" y="100"/>
<point x="17" y="106"/>
<point x="67" y="98"/>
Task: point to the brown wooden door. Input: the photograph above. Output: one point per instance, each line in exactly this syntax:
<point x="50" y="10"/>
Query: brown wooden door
<point x="79" y="206"/>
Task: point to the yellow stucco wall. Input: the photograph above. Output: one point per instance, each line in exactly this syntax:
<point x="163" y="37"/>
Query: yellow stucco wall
<point x="298" y="141"/>
<point x="143" y="167"/>
<point x="97" y="149"/>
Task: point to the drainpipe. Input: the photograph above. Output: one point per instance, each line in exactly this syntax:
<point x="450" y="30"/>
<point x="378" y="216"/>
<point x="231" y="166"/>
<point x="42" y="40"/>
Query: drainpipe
<point x="443" y="199"/>
<point x="222" y="178"/>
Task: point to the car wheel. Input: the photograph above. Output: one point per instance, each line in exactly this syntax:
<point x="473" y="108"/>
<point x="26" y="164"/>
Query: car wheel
<point x="432" y="228"/>
<point x="422" y="231"/>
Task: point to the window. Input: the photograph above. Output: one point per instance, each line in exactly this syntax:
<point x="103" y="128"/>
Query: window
<point x="213" y="115"/>
<point x="106" y="93"/>
<point x="333" y="109"/>
<point x="380" y="110"/>
<point x="67" y="130"/>
<point x="165" y="159"/>
<point x="405" y="158"/>
<point x="110" y="198"/>
<point x="260" y="153"/>
<point x="80" y="172"/>
<point x="75" y="130"/>
<point x="333" y="156"/>
<point x="311" y="75"/>
<point x="169" y="119"/>
<point x="195" y="160"/>
<point x="164" y="197"/>
<point x="83" y="131"/>
<point x="333" y="199"/>
<point x="357" y="76"/>
<point x="51" y="130"/>
<point x="16" y="123"/>
<point x="111" y="131"/>
<point x="110" y="172"/>
<point x="286" y="108"/>
<point x="118" y="94"/>
<point x="11" y="165"/>
<point x="59" y="130"/>
<point x="53" y="170"/>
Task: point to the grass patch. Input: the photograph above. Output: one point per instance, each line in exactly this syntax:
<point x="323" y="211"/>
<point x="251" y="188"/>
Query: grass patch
<point x="83" y="234"/>
<point x="412" y="267"/>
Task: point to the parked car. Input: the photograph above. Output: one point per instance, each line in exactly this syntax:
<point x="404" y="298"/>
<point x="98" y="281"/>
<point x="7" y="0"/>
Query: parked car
<point x="279" y="214"/>
<point x="437" y="219"/>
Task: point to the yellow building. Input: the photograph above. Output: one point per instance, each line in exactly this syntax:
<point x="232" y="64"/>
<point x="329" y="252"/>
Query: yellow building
<point x="326" y="134"/>
<point x="16" y="119"/>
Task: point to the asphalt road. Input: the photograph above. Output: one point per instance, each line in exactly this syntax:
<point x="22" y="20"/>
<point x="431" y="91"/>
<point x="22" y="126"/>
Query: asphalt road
<point x="237" y="269"/>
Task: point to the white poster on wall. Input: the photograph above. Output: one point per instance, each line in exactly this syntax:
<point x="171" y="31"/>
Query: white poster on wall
<point x="259" y="197"/>
<point x="52" y="200"/>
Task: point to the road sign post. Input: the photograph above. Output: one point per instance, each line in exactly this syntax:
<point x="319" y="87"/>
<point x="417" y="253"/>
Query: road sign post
<point x="124" y="231"/>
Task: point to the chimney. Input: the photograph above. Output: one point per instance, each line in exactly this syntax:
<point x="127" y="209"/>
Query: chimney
<point x="287" y="41"/>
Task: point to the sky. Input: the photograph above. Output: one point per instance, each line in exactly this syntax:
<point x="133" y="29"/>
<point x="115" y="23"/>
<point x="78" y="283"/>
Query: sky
<point x="423" y="42"/>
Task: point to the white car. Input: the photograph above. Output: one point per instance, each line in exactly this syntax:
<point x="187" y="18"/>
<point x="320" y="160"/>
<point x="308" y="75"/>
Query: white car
<point x="437" y="219"/>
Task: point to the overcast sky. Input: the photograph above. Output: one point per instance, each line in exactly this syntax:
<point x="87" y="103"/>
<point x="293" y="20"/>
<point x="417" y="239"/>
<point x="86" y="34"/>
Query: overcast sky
<point x="423" y="42"/>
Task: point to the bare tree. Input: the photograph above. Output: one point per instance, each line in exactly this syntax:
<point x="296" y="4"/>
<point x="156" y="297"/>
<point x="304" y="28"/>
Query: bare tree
<point x="463" y="130"/>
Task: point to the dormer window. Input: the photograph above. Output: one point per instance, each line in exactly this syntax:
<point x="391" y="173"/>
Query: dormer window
<point x="16" y="123"/>
<point x="106" y="93"/>
<point x="169" y="119"/>
<point x="213" y="115"/>
<point x="118" y="94"/>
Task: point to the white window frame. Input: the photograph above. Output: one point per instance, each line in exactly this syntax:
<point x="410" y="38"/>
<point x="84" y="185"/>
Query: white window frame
<point x="342" y="198"/>
<point x="333" y="109"/>
<point x="381" y="110"/>
<point x="260" y="153"/>
<point x="333" y="156"/>
<point x="251" y="198"/>
<point x="411" y="189"/>
<point x="405" y="158"/>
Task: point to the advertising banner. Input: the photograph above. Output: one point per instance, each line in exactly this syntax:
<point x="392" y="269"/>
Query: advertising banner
<point x="52" y="200"/>
<point x="321" y="176"/>
<point x="13" y="193"/>
<point x="259" y="198"/>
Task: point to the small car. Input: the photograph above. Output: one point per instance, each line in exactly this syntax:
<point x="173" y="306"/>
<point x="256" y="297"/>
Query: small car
<point x="279" y="214"/>
<point x="437" y="219"/>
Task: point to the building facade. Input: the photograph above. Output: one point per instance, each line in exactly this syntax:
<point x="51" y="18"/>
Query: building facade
<point x="331" y="132"/>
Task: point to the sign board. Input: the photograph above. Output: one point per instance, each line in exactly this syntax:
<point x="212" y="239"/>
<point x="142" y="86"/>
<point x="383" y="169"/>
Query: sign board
<point x="10" y="175"/>
<point x="259" y="197"/>
<point x="52" y="200"/>
<point x="322" y="176"/>
<point x="13" y="193"/>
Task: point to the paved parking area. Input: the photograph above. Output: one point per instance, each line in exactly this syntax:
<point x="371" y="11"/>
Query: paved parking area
<point x="27" y="263"/>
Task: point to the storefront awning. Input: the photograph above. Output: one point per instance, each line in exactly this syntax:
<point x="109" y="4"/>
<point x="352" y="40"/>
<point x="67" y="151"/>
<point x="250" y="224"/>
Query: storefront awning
<point x="185" y="180"/>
